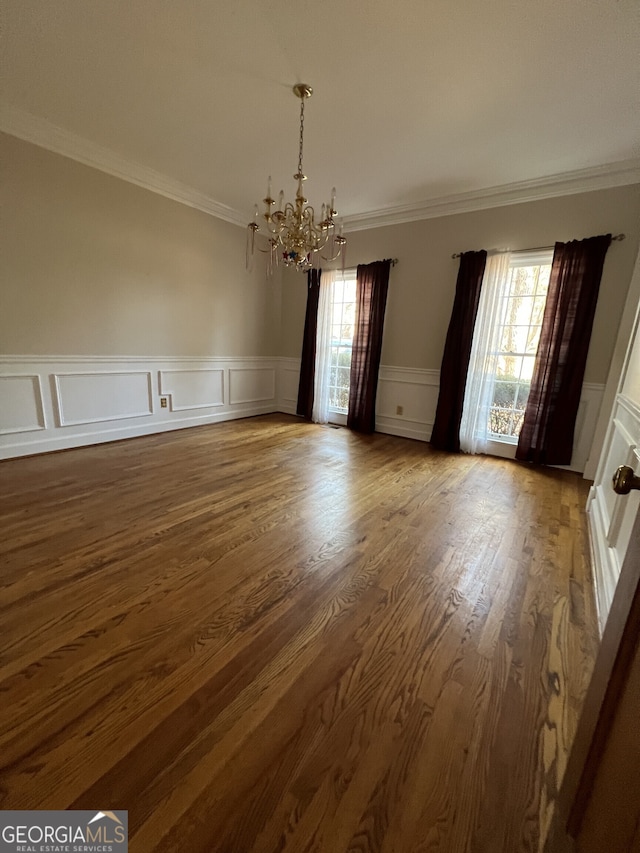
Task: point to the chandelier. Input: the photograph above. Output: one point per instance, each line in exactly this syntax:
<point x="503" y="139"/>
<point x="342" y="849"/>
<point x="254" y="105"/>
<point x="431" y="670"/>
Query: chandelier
<point x="293" y="237"/>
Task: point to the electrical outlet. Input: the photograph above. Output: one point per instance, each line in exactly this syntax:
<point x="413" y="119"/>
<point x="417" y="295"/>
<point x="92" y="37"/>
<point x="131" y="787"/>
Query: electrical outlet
<point x="163" y="402"/>
<point x="399" y="410"/>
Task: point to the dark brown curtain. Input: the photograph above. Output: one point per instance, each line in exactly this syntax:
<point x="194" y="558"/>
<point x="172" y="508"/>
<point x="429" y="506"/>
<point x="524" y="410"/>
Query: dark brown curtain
<point x="371" y="300"/>
<point x="308" y="359"/>
<point x="457" y="352"/>
<point x="550" y="417"/>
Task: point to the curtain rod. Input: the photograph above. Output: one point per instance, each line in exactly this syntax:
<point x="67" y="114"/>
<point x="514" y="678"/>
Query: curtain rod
<point x="618" y="238"/>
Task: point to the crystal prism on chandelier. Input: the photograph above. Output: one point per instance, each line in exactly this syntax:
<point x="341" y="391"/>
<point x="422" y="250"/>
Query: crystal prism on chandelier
<point x="293" y="237"/>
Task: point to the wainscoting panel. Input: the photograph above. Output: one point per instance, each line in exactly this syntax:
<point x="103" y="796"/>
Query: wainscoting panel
<point x="98" y="396"/>
<point x="251" y="385"/>
<point x="55" y="402"/>
<point x="415" y="393"/>
<point x="588" y="411"/>
<point x="202" y="388"/>
<point x="21" y="408"/>
<point x="287" y="383"/>
<point x="611" y="516"/>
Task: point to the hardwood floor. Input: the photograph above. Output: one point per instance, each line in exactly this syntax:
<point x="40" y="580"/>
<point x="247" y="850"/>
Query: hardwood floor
<point x="267" y="635"/>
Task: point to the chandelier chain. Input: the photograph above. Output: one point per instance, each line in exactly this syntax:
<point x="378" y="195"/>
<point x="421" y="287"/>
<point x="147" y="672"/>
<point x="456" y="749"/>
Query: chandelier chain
<point x="301" y="135"/>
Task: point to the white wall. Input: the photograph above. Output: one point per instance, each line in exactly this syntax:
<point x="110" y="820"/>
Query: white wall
<point x="93" y="265"/>
<point x="422" y="285"/>
<point x="113" y="296"/>
<point x="422" y="288"/>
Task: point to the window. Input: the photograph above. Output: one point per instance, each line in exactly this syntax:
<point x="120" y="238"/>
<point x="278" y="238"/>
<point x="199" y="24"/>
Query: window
<point x="343" y="317"/>
<point x="517" y="336"/>
<point x="503" y="351"/>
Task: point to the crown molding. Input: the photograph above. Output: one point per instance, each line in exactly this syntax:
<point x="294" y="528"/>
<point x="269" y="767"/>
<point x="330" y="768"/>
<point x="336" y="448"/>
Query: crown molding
<point x="43" y="133"/>
<point x="607" y="176"/>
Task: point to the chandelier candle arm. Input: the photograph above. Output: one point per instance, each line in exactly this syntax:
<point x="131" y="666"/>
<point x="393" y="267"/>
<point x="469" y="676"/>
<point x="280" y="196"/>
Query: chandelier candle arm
<point x="293" y="237"/>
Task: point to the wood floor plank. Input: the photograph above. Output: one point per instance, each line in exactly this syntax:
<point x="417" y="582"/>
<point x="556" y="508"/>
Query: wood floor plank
<point x="268" y="635"/>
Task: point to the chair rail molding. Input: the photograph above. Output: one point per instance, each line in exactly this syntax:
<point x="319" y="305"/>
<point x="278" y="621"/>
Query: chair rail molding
<point x="52" y="402"/>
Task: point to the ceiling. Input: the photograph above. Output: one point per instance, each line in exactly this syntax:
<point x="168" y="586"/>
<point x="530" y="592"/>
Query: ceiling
<point x="414" y="102"/>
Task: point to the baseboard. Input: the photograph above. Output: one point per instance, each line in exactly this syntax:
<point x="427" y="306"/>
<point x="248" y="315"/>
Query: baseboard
<point x="56" y="443"/>
<point x="403" y="427"/>
<point x="58" y="402"/>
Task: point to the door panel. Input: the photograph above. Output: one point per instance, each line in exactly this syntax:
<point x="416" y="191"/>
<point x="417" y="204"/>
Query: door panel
<point x="611" y="516"/>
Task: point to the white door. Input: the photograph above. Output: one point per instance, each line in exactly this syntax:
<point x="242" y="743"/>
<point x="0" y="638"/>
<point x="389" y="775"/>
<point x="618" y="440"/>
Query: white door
<point x="611" y="516"/>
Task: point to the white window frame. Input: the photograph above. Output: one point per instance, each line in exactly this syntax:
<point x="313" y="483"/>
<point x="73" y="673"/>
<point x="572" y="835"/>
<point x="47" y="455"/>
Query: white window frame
<point x="505" y="445"/>
<point x="339" y="415"/>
